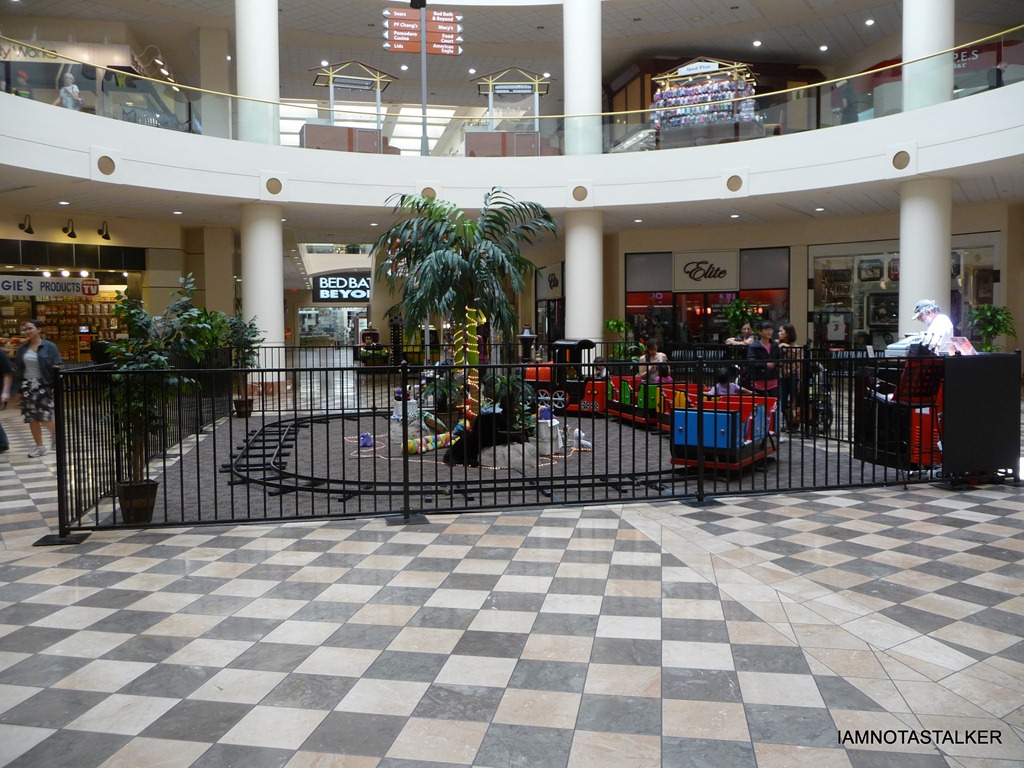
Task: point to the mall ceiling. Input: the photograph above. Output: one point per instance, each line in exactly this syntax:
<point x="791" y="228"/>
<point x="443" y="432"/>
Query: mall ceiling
<point x="497" y="35"/>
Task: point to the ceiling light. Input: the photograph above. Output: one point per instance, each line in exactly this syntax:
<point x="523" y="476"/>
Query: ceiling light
<point x="124" y="274"/>
<point x="46" y="274"/>
<point x="26" y="226"/>
<point x="734" y="215"/>
<point x="404" y="67"/>
<point x="472" y="71"/>
<point x="869" y="22"/>
<point x="757" y="43"/>
<point x="177" y="213"/>
<point x="822" y="47"/>
<point x="63" y="202"/>
<point x="158" y="61"/>
<point x="229" y="57"/>
<point x="84" y="273"/>
<point x="69" y="230"/>
<point x="819" y="209"/>
<point x="65" y="273"/>
<point x="324" y="63"/>
<point x="103" y="232"/>
<point x="638" y="221"/>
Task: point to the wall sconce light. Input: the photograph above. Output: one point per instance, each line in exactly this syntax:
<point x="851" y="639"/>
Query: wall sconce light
<point x="103" y="231"/>
<point x="69" y="230"/>
<point x="26" y="226"/>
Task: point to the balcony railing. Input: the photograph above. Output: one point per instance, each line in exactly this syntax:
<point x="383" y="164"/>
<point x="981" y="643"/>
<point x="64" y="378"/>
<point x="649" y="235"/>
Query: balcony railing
<point x="682" y="120"/>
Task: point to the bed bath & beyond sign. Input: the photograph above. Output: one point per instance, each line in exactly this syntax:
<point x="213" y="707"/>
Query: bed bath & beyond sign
<point x="354" y="286"/>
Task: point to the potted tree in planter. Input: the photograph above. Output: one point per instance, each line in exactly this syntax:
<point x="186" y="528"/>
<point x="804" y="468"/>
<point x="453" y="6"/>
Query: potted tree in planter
<point x="142" y="388"/>
<point x="447" y="264"/>
<point x="244" y="339"/>
<point x="991" y="321"/>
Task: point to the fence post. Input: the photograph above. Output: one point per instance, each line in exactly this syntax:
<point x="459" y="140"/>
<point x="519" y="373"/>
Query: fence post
<point x="63" y="535"/>
<point x="700" y="431"/>
<point x="407" y="516"/>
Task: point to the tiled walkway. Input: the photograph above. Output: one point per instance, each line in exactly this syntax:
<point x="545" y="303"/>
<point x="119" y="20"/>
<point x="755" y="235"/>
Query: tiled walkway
<point x="758" y="631"/>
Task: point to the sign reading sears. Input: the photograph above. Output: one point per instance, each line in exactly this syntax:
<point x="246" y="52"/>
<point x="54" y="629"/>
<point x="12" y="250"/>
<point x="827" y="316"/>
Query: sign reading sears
<point x="49" y="286"/>
<point x="345" y="286"/>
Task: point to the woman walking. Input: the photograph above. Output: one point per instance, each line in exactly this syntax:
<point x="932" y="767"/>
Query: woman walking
<point x="33" y="378"/>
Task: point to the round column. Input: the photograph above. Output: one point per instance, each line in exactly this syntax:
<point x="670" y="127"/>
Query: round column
<point x="926" y="205"/>
<point x="258" y="68"/>
<point x="581" y="51"/>
<point x="584" y="278"/>
<point x="262" y="270"/>
<point x="927" y="28"/>
<point x="926" y="211"/>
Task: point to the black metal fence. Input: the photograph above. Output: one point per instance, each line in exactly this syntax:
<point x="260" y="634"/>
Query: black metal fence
<point x="321" y="436"/>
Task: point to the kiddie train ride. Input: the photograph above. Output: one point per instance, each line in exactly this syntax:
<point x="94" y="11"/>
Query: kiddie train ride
<point x="728" y="433"/>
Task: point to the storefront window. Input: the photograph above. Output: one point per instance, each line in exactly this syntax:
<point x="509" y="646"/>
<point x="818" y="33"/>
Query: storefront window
<point x="857" y="289"/>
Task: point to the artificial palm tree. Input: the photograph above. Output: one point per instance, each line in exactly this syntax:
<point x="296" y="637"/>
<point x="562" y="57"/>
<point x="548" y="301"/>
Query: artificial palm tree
<point x="446" y="263"/>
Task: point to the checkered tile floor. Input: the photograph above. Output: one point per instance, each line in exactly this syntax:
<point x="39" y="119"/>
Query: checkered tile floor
<point x="752" y="631"/>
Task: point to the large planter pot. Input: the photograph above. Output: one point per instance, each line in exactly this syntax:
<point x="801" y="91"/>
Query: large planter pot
<point x="137" y="501"/>
<point x="243" y="407"/>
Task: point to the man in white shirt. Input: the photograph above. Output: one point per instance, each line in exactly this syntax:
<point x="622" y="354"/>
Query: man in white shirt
<point x="938" y="330"/>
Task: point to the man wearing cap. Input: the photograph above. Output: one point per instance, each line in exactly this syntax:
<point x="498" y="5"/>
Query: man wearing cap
<point x="938" y="330"/>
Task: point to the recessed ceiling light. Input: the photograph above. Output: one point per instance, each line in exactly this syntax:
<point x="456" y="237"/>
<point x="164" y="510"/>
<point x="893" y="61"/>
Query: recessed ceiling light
<point x="819" y="209"/>
<point x="822" y="47"/>
<point x="63" y="202"/>
<point x="405" y="67"/>
<point x="229" y="57"/>
<point x="546" y="74"/>
<point x="734" y="215"/>
<point x="284" y="219"/>
<point x="373" y="223"/>
<point x="177" y="213"/>
<point x="757" y="43"/>
<point x="472" y="70"/>
<point x="868" y="22"/>
<point x="324" y="63"/>
<point x="638" y="221"/>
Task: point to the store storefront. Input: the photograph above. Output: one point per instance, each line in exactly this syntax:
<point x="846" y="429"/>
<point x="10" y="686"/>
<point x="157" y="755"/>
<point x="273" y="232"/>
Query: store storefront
<point x="71" y="288"/>
<point x="339" y="313"/>
<point x="856" y="288"/>
<point x="679" y="298"/>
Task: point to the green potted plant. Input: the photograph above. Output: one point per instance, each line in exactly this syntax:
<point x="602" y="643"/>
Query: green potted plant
<point x="244" y="339"/>
<point x="738" y="312"/>
<point x="991" y="321"/>
<point x="513" y="394"/>
<point x="142" y="388"/>
<point x="445" y="263"/>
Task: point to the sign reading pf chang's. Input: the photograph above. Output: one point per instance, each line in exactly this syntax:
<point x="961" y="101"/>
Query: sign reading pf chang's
<point x="342" y="287"/>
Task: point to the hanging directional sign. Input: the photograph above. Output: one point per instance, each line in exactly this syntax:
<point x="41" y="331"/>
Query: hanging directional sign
<point x="402" y="33"/>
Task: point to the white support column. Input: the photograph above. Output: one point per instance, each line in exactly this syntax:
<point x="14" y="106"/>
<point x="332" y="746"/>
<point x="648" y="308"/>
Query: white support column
<point x="584" y="252"/>
<point x="257" y="54"/>
<point x="926" y="211"/>
<point x="262" y="270"/>
<point x="927" y="28"/>
<point x="926" y="205"/>
<point x="581" y="51"/>
<point x="584" y="278"/>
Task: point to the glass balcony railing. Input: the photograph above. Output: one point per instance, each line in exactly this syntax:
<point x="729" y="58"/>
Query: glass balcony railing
<point x="685" y="114"/>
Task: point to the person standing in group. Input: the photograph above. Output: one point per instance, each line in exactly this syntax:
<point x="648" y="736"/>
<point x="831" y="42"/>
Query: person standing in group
<point x="789" y="378"/>
<point x="764" y="356"/>
<point x="939" y="328"/>
<point x="33" y="379"/>
<point x="6" y="377"/>
<point x="21" y="86"/>
<point x="745" y="337"/>
<point x="69" y="95"/>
